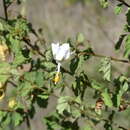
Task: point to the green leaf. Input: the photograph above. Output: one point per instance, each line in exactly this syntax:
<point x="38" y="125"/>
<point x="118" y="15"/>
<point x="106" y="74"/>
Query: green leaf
<point x="43" y="96"/>
<point x="63" y="104"/>
<point x="8" y="1"/>
<point x="25" y="88"/>
<point x="75" y="112"/>
<point x="35" y="77"/>
<point x="87" y="127"/>
<point x="39" y="79"/>
<point x="2" y="115"/>
<point x="128" y="17"/>
<point x="53" y="122"/>
<point x="96" y="85"/>
<point x="98" y="111"/>
<point x="80" y="38"/>
<point x="80" y="84"/>
<point x="19" y="59"/>
<point x="76" y="64"/>
<point x="120" y="41"/>
<point x="106" y="98"/>
<point x="118" y="9"/>
<point x="5" y="69"/>
<point x="122" y="90"/>
<point x="104" y="3"/>
<point x="127" y="47"/>
<point x="15" y="44"/>
<point x="49" y="66"/>
<point x="30" y="76"/>
<point x="48" y="55"/>
<point x="7" y="119"/>
<point x="17" y="118"/>
<point x="105" y="68"/>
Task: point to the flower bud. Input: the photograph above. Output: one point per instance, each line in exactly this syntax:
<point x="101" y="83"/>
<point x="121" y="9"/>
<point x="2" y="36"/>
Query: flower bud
<point x="12" y="103"/>
<point x="3" y="52"/>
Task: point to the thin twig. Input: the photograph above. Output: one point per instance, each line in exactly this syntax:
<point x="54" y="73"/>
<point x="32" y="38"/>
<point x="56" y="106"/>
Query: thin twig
<point x="103" y="56"/>
<point x="27" y="41"/>
<point x="120" y="127"/>
<point x="12" y="83"/>
<point x="5" y="10"/>
<point x="124" y="3"/>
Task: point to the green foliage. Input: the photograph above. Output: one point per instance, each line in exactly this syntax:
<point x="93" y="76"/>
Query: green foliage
<point x="128" y="17"/>
<point x="96" y="85"/>
<point x="105" y="68"/>
<point x="118" y="9"/>
<point x="55" y="121"/>
<point x="52" y="122"/>
<point x="87" y="127"/>
<point x="127" y="47"/>
<point x="28" y="70"/>
<point x="17" y="118"/>
<point x="120" y="41"/>
<point x="104" y="3"/>
<point x="8" y="1"/>
<point x="80" y="84"/>
<point x="68" y="104"/>
<point x="49" y="66"/>
<point x="107" y="98"/>
<point x="5" y="71"/>
<point x="76" y="64"/>
<point x="80" y="38"/>
<point x="63" y="104"/>
<point x="122" y="87"/>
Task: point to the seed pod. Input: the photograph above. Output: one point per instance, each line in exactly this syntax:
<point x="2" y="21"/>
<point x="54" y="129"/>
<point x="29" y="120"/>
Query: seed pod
<point x="99" y="104"/>
<point x="123" y="107"/>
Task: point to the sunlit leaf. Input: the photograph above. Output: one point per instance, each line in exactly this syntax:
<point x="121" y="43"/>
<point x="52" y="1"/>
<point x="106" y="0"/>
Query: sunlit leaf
<point x="80" y="38"/>
<point x="106" y="98"/>
<point x="17" y="118"/>
<point x="118" y="9"/>
<point x="105" y="68"/>
<point x="127" y="47"/>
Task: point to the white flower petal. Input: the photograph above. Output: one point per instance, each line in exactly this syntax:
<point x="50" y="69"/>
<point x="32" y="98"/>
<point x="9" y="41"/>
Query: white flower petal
<point x="65" y="46"/>
<point x="61" y="52"/>
<point x="55" y="48"/>
<point x="60" y="55"/>
<point x="67" y="55"/>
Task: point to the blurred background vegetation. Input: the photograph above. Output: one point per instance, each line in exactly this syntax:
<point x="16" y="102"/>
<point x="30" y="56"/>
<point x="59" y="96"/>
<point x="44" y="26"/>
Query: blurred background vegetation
<point x="60" y="19"/>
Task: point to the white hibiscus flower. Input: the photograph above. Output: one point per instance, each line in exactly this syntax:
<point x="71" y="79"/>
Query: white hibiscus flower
<point x="60" y="53"/>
